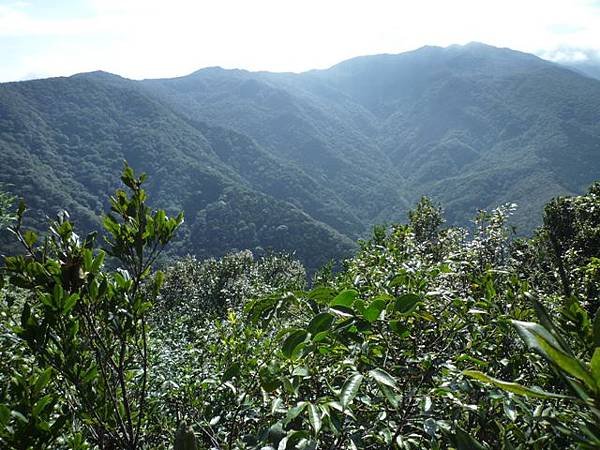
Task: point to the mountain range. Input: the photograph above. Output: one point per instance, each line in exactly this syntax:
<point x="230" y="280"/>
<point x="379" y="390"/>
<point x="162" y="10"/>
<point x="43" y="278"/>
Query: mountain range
<point x="308" y="162"/>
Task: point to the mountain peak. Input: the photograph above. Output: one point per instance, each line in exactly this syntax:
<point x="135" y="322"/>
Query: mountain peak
<point x="99" y="75"/>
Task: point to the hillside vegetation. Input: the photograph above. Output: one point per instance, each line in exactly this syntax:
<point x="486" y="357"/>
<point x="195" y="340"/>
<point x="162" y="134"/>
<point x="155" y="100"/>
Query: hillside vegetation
<point x="430" y="337"/>
<point x="307" y="162"/>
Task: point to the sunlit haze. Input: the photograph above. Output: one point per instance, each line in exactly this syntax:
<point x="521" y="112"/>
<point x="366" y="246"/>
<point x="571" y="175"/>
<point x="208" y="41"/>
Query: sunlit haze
<point x="151" y="38"/>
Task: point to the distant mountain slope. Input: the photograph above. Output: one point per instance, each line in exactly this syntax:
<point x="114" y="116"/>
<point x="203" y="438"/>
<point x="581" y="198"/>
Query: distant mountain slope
<point x="63" y="142"/>
<point x="316" y="132"/>
<point x="588" y="68"/>
<point x="472" y="125"/>
<point x="476" y="125"/>
<point x="308" y="162"/>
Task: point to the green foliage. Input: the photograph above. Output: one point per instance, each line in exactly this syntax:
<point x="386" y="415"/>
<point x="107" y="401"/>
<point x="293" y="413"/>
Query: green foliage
<point x="84" y="327"/>
<point x="306" y="163"/>
<point x="425" y="220"/>
<point x="185" y="438"/>
<point x="428" y="338"/>
<point x="6" y="215"/>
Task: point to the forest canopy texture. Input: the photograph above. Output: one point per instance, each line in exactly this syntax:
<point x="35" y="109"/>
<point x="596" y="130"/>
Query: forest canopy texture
<point x="431" y="336"/>
<point x="307" y="162"/>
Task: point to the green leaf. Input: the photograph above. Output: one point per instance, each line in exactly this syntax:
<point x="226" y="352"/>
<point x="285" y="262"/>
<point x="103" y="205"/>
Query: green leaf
<point x="595" y="367"/>
<point x="407" y="303"/>
<point x="259" y="309"/>
<point x="268" y="381"/>
<point x="4" y="416"/>
<point x="344" y="298"/>
<point x="545" y="320"/>
<point x="596" y="328"/>
<point x="343" y="311"/>
<point x="21" y="210"/>
<point x="538" y="338"/>
<point x="321" y="322"/>
<point x="70" y="303"/>
<point x="42" y="380"/>
<point x="41" y="404"/>
<point x="350" y="389"/>
<point x="398" y="280"/>
<point x="390" y="395"/>
<point x="30" y="238"/>
<point x="314" y="416"/>
<point x="98" y="261"/>
<point x="462" y="440"/>
<point x="398" y="327"/>
<point x="232" y="371"/>
<point x="90" y="374"/>
<point x="19" y="416"/>
<point x="515" y="388"/>
<point x="322" y="294"/>
<point x="294" y="412"/>
<point x="292" y="342"/>
<point x="373" y="311"/>
<point x="382" y="377"/>
<point x="510" y="411"/>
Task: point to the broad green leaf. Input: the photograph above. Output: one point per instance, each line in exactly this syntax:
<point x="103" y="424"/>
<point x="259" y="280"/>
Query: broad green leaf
<point x="338" y="406"/>
<point x="70" y="303"/>
<point x="294" y="412"/>
<point x="314" y="416"/>
<point x="321" y="322"/>
<point x="322" y="294"/>
<point x="595" y="367"/>
<point x="40" y="405"/>
<point x="344" y="298"/>
<point x="430" y="426"/>
<point x="510" y="411"/>
<point x="462" y="440"/>
<point x="257" y="310"/>
<point x="90" y="374"/>
<point x="382" y="377"/>
<point x="398" y="327"/>
<point x="294" y="440"/>
<point x="292" y="342"/>
<point x="350" y="389"/>
<point x="391" y="396"/>
<point x="87" y="259"/>
<point x="374" y="309"/>
<point x="42" y="380"/>
<point x="30" y="238"/>
<point x="342" y="310"/>
<point x="398" y="280"/>
<point x="538" y="338"/>
<point x="97" y="264"/>
<point x="507" y="386"/>
<point x="17" y="415"/>
<point x="407" y="303"/>
<point x="546" y="321"/>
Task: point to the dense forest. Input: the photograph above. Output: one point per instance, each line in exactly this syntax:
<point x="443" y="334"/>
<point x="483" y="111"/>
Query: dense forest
<point x="430" y="336"/>
<point x="307" y="162"/>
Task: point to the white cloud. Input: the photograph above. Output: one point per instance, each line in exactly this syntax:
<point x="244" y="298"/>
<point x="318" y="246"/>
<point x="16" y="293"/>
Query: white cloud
<point x="152" y="38"/>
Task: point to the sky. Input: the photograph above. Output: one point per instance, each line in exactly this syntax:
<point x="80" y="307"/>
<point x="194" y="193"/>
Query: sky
<point x="166" y="38"/>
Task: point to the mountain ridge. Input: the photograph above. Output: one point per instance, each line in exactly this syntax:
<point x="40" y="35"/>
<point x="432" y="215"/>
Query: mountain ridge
<point x="335" y="149"/>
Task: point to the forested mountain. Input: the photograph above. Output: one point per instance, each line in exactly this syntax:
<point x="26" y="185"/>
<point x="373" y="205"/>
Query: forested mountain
<point x="310" y="161"/>
<point x="63" y="142"/>
<point x="590" y="68"/>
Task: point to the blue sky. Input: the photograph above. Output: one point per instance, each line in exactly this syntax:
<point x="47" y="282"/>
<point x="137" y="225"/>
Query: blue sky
<point x="163" y="38"/>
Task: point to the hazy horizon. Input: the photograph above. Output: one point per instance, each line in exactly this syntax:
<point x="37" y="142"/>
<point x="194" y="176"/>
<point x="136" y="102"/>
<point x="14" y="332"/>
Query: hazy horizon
<point x="155" y="39"/>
